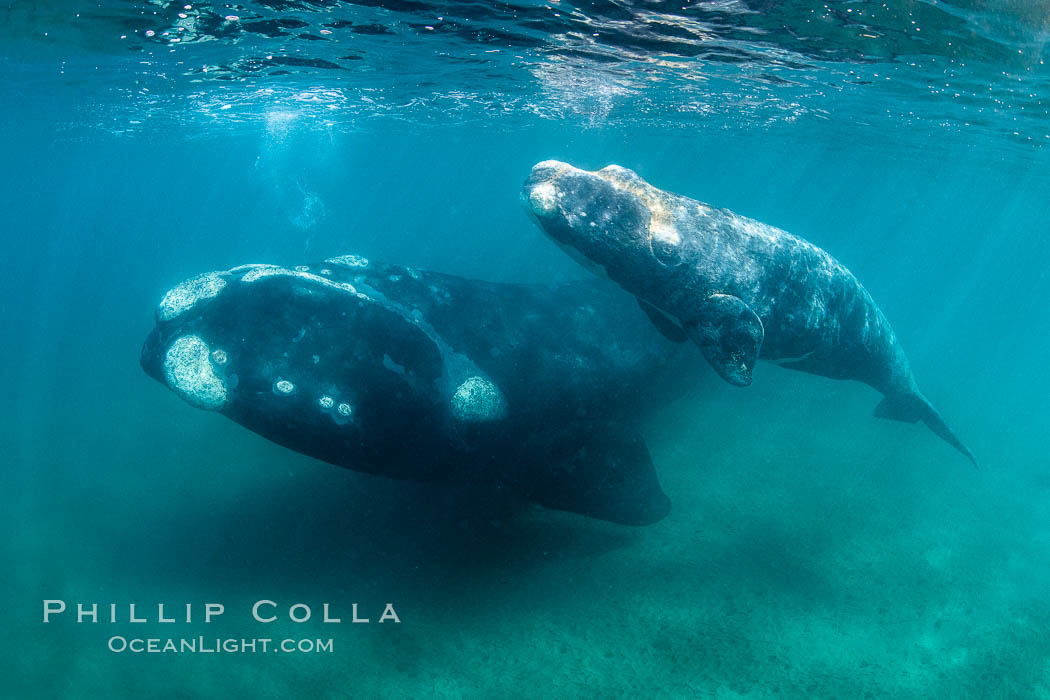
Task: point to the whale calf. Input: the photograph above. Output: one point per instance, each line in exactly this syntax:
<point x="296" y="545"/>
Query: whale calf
<point x="418" y="375"/>
<point x="738" y="288"/>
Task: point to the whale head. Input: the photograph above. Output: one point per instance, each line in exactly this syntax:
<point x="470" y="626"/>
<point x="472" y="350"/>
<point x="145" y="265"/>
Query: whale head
<point x="610" y="220"/>
<point x="305" y="359"/>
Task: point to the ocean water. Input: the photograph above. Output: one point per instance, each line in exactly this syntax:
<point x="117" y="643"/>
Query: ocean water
<point x="812" y="551"/>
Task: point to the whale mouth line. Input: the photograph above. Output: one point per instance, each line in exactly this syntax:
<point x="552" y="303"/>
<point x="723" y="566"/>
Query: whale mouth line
<point x="782" y="361"/>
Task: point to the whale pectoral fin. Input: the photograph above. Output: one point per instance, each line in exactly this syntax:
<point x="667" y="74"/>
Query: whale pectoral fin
<point x="668" y="328"/>
<point x="730" y="335"/>
<point x="601" y="471"/>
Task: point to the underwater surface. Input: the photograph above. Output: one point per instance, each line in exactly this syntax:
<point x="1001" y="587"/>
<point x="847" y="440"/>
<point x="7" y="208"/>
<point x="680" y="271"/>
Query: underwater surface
<point x="811" y="549"/>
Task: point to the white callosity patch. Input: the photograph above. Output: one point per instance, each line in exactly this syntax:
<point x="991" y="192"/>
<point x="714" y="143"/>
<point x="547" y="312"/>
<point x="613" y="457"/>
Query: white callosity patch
<point x="477" y="400"/>
<point x="263" y="271"/>
<point x="189" y="372"/>
<point x="544" y="198"/>
<point x="340" y="412"/>
<point x="349" y="261"/>
<point x="283" y="387"/>
<point x="246" y="268"/>
<point x="257" y="272"/>
<point x="185" y="296"/>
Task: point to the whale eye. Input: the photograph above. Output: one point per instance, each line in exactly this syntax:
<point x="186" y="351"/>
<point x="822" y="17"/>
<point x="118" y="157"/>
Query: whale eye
<point x="663" y="251"/>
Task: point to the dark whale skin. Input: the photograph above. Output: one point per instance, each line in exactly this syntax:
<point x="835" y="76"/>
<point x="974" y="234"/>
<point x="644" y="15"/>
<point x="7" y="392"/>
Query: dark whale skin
<point x="419" y="375"/>
<point x="740" y="289"/>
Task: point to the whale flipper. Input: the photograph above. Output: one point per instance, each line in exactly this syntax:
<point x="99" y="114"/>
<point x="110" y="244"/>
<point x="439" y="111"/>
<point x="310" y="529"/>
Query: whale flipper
<point x="911" y="408"/>
<point x="730" y="336"/>
<point x="668" y="328"/>
<point x="602" y="471"/>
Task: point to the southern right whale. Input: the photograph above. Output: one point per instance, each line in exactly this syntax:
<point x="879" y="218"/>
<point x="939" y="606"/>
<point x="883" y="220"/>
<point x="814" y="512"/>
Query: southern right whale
<point x="738" y="288"/>
<point x="526" y="390"/>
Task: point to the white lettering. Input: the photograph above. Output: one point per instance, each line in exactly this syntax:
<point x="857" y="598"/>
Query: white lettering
<point x="390" y="614"/>
<point x="82" y="612"/>
<point x="259" y="604"/>
<point x="213" y="610"/>
<point x="291" y="612"/>
<point x="50" y="608"/>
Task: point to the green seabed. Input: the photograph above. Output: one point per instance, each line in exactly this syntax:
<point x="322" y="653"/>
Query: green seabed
<point x="812" y="552"/>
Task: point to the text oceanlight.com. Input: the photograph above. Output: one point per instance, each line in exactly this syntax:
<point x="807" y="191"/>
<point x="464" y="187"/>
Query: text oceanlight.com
<point x="216" y="645"/>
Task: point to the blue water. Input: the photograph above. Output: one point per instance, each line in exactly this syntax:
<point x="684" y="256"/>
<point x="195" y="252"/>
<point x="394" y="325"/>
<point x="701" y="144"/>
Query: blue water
<point x="812" y="550"/>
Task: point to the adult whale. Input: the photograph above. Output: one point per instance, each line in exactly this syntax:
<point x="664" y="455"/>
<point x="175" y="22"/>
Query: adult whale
<point x="740" y="289"/>
<point x="418" y="375"/>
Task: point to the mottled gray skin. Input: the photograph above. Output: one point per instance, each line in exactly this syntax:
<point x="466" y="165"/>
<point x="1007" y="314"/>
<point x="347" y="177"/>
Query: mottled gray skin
<point x="740" y="289"/>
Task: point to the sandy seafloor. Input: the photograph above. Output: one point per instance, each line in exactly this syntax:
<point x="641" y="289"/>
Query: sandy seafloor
<point x="828" y="580"/>
<point x="812" y="550"/>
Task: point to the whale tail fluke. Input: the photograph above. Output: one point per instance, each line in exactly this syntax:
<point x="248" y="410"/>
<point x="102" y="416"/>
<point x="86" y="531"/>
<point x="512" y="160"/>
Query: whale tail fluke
<point x="912" y="408"/>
